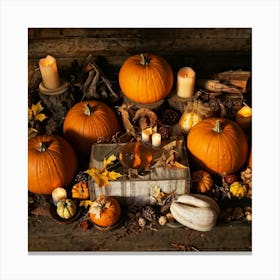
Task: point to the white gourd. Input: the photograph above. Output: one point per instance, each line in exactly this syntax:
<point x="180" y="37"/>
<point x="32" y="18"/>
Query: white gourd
<point x="196" y="211"/>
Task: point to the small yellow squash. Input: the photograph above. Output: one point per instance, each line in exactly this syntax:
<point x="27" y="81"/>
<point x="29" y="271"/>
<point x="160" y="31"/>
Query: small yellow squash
<point x="66" y="209"/>
<point x="188" y="120"/>
<point x="237" y="189"/>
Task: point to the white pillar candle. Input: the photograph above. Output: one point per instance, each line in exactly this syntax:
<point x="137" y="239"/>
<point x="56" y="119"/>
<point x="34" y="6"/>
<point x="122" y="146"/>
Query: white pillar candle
<point x="185" y="82"/>
<point x="49" y="72"/>
<point x="58" y="194"/>
<point x="156" y="139"/>
<point x="146" y="135"/>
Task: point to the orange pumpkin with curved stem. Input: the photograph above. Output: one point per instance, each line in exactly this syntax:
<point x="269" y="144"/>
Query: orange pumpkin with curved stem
<point x="86" y="122"/>
<point x="146" y="78"/>
<point x="52" y="163"/>
<point x="218" y="145"/>
<point x="105" y="211"/>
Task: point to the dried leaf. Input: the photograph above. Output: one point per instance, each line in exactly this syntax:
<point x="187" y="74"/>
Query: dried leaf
<point x="146" y="113"/>
<point x="103" y="176"/>
<point x="40" y="117"/>
<point x="160" y="196"/>
<point x="109" y="160"/>
<point x="177" y="164"/>
<point x="108" y="204"/>
<point x="156" y="192"/>
<point x="126" y="119"/>
<point x="98" y="177"/>
<point x="95" y="209"/>
<point x="35" y="112"/>
<point x="112" y="175"/>
<point x="172" y="145"/>
<point x="30" y="115"/>
<point x="85" y="203"/>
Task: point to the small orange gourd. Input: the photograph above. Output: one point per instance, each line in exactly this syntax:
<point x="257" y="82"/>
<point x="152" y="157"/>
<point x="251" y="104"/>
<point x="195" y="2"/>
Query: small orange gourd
<point x="105" y="211"/>
<point x="202" y="181"/>
<point x="146" y="78"/>
<point x="80" y="190"/>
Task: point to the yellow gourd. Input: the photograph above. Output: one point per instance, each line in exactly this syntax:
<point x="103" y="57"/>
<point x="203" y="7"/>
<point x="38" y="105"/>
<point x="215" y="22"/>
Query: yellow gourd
<point x="237" y="189"/>
<point x="66" y="209"/>
<point x="188" y="120"/>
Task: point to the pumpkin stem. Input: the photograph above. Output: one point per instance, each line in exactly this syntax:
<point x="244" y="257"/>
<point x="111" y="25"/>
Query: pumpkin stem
<point x="89" y="109"/>
<point x="218" y="127"/>
<point x="43" y="146"/>
<point x="144" y="60"/>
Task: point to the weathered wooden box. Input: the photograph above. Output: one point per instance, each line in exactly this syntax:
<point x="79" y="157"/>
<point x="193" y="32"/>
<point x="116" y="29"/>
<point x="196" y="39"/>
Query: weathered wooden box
<point x="138" y="191"/>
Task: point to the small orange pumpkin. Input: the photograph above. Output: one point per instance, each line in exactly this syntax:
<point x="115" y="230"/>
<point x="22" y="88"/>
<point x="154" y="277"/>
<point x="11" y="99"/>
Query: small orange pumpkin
<point x="105" y="211"/>
<point x="52" y="163"/>
<point x="146" y="78"/>
<point x="80" y="190"/>
<point x="218" y="145"/>
<point x="202" y="181"/>
<point x="86" y="122"/>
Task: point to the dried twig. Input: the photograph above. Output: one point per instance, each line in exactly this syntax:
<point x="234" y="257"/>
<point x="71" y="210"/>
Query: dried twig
<point x="126" y="119"/>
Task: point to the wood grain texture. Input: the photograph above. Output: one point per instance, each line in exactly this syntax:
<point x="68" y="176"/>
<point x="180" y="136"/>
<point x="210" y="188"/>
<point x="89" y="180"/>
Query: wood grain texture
<point x="204" y="49"/>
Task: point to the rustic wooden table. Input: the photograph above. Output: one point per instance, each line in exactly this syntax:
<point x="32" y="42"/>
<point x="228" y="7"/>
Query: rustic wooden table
<point x="47" y="235"/>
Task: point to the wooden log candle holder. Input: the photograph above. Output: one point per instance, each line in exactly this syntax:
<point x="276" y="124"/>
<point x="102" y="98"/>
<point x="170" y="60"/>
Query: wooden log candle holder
<point x="58" y="102"/>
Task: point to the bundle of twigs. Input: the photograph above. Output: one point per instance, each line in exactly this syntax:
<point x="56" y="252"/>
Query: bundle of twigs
<point x="93" y="84"/>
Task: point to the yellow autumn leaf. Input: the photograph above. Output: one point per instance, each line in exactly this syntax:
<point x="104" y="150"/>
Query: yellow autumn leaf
<point x="35" y="112"/>
<point x="103" y="176"/>
<point x="112" y="175"/>
<point x="102" y="180"/>
<point x="30" y="115"/>
<point x="40" y="117"/>
<point x="37" y="108"/>
<point x="85" y="203"/>
<point x="94" y="173"/>
<point x="109" y="160"/>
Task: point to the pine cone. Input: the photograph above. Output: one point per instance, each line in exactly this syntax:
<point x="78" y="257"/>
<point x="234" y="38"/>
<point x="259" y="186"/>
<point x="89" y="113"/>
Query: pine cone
<point x="81" y="177"/>
<point x="149" y="213"/>
<point x="164" y="131"/>
<point x="170" y="117"/>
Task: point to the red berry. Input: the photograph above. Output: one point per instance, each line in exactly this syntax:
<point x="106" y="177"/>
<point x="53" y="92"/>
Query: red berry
<point x="230" y="178"/>
<point x="84" y="225"/>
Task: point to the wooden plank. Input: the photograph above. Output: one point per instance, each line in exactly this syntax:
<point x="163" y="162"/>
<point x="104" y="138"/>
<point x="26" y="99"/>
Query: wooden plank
<point x="72" y="47"/>
<point x="187" y="33"/>
<point x="46" y="235"/>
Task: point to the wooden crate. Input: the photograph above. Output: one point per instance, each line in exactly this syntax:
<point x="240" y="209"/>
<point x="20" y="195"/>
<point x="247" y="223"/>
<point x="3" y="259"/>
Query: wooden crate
<point x="138" y="191"/>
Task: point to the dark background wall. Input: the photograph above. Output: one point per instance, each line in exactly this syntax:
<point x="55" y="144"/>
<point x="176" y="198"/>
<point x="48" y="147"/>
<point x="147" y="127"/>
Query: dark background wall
<point x="204" y="49"/>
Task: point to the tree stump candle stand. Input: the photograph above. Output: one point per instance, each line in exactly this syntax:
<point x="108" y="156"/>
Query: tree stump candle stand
<point x="58" y="102"/>
<point x="179" y="103"/>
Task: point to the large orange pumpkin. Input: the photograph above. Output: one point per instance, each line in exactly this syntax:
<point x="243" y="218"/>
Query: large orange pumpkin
<point x="86" y="122"/>
<point x="146" y="78"/>
<point x="250" y="163"/>
<point x="52" y="163"/>
<point x="219" y="145"/>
